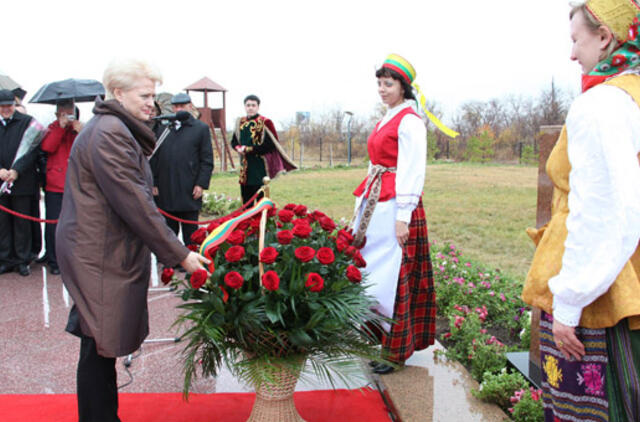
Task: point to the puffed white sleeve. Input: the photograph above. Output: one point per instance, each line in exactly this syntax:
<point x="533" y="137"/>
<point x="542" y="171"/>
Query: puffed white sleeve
<point x="412" y="161"/>
<point x="603" y="128"/>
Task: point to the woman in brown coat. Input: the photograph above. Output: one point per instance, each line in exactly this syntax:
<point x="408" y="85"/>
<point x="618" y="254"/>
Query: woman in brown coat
<point x="107" y="229"/>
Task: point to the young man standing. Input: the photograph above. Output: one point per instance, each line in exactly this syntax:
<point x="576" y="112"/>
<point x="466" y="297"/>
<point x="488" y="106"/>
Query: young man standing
<point x="256" y="140"/>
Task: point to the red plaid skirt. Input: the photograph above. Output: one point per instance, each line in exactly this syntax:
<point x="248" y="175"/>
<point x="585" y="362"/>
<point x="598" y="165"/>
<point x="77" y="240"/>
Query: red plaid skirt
<point x="415" y="306"/>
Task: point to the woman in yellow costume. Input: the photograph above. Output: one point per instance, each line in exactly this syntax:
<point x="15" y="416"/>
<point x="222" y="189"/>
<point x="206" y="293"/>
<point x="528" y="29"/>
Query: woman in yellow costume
<point x="585" y="274"/>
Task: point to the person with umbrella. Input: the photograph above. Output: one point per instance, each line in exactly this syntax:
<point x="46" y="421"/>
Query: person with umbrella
<point x="57" y="145"/>
<point x="19" y="181"/>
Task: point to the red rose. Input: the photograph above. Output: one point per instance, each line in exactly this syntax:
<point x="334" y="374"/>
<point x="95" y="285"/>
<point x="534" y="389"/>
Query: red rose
<point x="272" y="211"/>
<point x="285" y="215"/>
<point x="284" y="237"/>
<point x="234" y="254"/>
<point x="167" y="275"/>
<point x="243" y="225"/>
<point x="353" y="274"/>
<point x="302" y="230"/>
<point x="305" y="253"/>
<point x="279" y="225"/>
<point x="199" y="235"/>
<point x="359" y="260"/>
<point x="193" y="247"/>
<point x="198" y="278"/>
<point x="213" y="225"/>
<point x="268" y="255"/>
<point x="255" y="222"/>
<point x="325" y="256"/>
<point x="236" y="237"/>
<point x="350" y="251"/>
<point x="270" y="280"/>
<point x="300" y="210"/>
<point x="314" y="282"/>
<point x="251" y="231"/>
<point x="233" y="279"/>
<point x="345" y="236"/>
<point x="290" y="207"/>
<point x="327" y="224"/>
<point x="317" y="215"/>
<point x="341" y="244"/>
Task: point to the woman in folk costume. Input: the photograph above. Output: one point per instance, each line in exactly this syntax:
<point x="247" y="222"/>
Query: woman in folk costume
<point x="585" y="272"/>
<point x="390" y="219"/>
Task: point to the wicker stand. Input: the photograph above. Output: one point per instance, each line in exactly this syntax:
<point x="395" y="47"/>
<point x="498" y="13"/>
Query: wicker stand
<point x="274" y="402"/>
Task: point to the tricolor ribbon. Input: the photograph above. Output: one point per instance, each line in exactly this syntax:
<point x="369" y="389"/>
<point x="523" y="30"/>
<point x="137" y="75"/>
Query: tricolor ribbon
<point x="220" y="233"/>
<point x="422" y="100"/>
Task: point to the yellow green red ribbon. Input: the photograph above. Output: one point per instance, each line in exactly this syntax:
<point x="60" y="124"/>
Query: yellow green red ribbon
<point x="220" y="233"/>
<point x="422" y="100"/>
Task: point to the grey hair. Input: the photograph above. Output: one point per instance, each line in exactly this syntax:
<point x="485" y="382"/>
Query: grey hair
<point x="125" y="74"/>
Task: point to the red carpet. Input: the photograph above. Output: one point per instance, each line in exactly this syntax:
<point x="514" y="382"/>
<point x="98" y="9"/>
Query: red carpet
<point x="313" y="406"/>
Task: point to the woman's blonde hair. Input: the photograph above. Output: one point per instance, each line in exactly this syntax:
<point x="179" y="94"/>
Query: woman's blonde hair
<point x="125" y="74"/>
<point x="593" y="24"/>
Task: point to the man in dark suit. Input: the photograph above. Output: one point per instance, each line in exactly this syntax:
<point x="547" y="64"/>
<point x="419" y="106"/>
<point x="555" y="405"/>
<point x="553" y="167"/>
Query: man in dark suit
<point x="182" y="168"/>
<point x="16" y="239"/>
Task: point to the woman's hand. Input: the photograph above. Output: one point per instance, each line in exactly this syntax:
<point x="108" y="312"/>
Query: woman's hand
<point x="565" y="338"/>
<point x="194" y="262"/>
<point x="402" y="232"/>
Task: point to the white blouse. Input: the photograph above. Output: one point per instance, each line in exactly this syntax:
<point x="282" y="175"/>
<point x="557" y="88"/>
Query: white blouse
<point x="412" y="160"/>
<point x="603" y="128"/>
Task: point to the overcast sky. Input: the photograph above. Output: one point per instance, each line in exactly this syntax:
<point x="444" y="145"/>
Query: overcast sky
<point x="297" y="55"/>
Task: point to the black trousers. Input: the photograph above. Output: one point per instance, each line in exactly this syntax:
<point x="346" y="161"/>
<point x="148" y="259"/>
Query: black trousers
<point x="53" y="205"/>
<point x="16" y="238"/>
<point x="248" y="191"/>
<point x="96" y="384"/>
<point x="187" y="229"/>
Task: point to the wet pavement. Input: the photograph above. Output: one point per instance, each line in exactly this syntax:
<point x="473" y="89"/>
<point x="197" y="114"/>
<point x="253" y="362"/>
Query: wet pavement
<point x="38" y="357"/>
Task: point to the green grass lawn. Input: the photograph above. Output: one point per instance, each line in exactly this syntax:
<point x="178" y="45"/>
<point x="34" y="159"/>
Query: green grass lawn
<point x="482" y="209"/>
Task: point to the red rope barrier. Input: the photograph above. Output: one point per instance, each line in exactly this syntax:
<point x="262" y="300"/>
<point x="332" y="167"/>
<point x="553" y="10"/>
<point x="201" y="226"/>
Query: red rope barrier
<point x="163" y="212"/>
<point x="27" y="217"/>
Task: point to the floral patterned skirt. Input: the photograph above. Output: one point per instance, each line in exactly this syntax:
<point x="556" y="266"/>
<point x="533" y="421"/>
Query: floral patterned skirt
<point x="602" y="386"/>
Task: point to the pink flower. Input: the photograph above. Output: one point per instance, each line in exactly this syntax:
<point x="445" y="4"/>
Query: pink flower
<point x="502" y="297"/>
<point x="592" y="378"/>
<point x="467" y="264"/>
<point x="458" y="321"/>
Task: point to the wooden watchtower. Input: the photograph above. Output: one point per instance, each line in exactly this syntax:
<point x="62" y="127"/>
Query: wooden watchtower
<point x="214" y="117"/>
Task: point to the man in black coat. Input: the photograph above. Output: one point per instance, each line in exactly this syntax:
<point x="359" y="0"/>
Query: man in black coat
<point x="182" y="168"/>
<point x="16" y="233"/>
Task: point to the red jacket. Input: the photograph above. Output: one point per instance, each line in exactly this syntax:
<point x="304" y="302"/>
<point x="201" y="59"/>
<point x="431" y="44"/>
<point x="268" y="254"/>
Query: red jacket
<point x="57" y="144"/>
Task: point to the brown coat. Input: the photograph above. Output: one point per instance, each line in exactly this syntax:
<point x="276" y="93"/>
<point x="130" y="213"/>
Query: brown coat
<point x="107" y="227"/>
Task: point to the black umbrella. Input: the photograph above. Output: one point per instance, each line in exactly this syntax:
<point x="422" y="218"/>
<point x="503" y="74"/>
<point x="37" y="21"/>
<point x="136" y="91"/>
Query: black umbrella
<point x="78" y="90"/>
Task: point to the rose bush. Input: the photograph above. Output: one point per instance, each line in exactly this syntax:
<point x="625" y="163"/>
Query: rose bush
<point x="309" y="301"/>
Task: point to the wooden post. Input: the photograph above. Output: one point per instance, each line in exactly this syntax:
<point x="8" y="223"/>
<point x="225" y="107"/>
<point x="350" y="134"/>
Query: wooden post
<point x="548" y="140"/>
<point x="330" y="155"/>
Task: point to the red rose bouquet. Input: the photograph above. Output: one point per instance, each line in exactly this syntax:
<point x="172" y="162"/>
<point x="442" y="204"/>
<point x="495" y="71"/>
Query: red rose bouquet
<point x="309" y="300"/>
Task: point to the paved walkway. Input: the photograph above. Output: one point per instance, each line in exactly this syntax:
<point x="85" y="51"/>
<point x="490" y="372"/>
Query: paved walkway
<point x="38" y="357"/>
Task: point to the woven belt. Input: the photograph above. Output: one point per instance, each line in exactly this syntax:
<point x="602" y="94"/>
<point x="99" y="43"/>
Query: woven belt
<point x="374" y="182"/>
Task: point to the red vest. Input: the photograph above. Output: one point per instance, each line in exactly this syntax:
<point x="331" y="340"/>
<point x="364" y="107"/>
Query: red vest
<point x="383" y="150"/>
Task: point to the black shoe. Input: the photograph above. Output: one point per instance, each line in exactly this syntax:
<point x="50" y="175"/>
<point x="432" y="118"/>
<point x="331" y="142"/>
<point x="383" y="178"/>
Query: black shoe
<point x="373" y="363"/>
<point x="24" y="270"/>
<point x="54" y="270"/>
<point x="44" y="258"/>
<point x="383" y="369"/>
<point x="4" y="268"/>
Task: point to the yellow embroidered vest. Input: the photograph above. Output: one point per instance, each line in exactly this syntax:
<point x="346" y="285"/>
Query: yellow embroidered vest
<point x="622" y="300"/>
